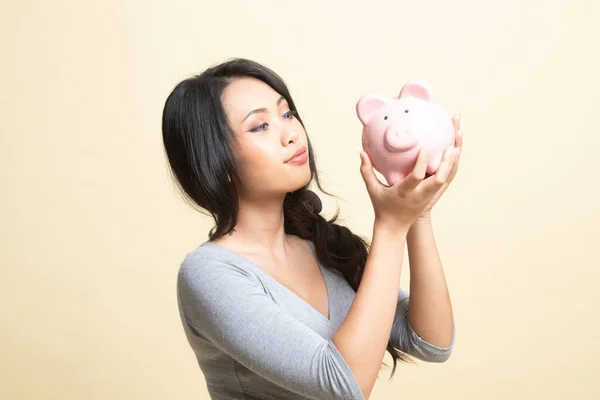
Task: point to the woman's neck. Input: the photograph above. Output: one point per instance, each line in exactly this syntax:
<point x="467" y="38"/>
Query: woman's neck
<point x="260" y="227"/>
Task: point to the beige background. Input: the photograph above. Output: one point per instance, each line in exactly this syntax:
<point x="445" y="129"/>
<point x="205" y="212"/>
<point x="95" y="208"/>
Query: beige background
<point x="93" y="231"/>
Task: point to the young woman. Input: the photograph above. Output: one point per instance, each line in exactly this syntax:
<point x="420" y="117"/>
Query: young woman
<point x="280" y="303"/>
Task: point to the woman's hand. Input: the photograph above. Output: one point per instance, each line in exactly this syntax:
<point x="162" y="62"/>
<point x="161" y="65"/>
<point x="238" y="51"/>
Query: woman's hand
<point x="400" y="205"/>
<point x="458" y="141"/>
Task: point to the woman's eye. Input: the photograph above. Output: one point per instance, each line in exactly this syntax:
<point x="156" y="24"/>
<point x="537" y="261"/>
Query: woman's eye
<point x="260" y="127"/>
<point x="289" y="115"/>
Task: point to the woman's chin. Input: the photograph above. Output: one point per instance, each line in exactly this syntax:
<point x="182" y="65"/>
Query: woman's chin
<point x="300" y="181"/>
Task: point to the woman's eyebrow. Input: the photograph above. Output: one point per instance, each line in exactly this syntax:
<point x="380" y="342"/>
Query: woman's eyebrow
<point x="259" y="110"/>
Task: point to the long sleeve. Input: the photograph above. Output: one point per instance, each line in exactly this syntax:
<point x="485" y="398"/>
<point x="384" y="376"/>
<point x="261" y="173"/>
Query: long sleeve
<point x="228" y="307"/>
<point x="404" y="338"/>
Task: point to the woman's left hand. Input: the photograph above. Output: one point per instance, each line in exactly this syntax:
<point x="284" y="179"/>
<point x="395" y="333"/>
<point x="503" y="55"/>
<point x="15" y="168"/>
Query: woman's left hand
<point x="458" y="141"/>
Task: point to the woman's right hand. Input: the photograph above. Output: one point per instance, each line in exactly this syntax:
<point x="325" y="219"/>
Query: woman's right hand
<point x="398" y="206"/>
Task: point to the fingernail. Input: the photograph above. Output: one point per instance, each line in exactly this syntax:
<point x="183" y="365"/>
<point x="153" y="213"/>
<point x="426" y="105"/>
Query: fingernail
<point x="456" y="152"/>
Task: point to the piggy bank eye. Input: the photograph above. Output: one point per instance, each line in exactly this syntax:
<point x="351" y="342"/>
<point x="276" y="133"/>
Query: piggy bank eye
<point x="385" y="117"/>
<point x="406" y="111"/>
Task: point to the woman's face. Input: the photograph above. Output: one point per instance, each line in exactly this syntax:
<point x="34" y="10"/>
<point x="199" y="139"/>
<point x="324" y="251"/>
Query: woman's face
<point x="269" y="136"/>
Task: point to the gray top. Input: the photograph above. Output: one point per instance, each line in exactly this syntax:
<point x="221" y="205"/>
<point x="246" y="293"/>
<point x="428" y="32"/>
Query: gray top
<point x="256" y="339"/>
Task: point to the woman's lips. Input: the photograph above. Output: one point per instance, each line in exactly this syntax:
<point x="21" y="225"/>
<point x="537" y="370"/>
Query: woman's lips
<point x="299" y="157"/>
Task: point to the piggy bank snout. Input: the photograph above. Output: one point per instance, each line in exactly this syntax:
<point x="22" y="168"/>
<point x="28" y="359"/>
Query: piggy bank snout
<point x="399" y="138"/>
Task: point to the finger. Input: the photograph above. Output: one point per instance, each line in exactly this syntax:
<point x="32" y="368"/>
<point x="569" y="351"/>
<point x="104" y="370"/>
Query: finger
<point x="447" y="166"/>
<point x="456" y="122"/>
<point x="457" y="130"/>
<point x="443" y="172"/>
<point x="454" y="167"/>
<point x="458" y="141"/>
<point x="367" y="172"/>
<point x="417" y="175"/>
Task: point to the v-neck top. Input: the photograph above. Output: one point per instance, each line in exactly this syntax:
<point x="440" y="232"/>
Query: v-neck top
<point x="254" y="338"/>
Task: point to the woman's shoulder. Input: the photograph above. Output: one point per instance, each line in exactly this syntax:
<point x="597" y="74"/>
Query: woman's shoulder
<point x="210" y="258"/>
<point x="206" y="251"/>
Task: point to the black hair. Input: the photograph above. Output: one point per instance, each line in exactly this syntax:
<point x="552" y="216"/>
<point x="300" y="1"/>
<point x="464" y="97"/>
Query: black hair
<point x="198" y="142"/>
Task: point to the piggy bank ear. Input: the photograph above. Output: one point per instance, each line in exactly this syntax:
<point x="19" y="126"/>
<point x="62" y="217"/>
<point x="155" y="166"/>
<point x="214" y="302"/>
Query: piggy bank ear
<point x="368" y="105"/>
<point x="416" y="88"/>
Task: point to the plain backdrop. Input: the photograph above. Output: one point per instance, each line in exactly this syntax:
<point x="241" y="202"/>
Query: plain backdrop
<point x="93" y="230"/>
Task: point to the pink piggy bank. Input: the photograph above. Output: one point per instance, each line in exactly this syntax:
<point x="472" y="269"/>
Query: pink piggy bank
<point x="395" y="129"/>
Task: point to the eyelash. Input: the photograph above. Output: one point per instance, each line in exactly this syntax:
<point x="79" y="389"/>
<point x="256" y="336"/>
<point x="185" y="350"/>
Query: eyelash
<point x="264" y="125"/>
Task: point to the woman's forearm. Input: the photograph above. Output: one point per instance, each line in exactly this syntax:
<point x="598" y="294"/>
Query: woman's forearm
<point x="430" y="309"/>
<point x="365" y="332"/>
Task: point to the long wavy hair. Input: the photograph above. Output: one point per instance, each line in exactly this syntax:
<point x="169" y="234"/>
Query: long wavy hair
<point x="198" y="142"/>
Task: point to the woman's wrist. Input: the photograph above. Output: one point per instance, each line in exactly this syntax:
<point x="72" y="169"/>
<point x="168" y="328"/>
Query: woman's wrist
<point x="424" y="219"/>
<point x="383" y="228"/>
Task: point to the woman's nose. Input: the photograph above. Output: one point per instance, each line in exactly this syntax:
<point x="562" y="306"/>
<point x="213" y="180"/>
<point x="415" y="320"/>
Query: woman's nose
<point x="288" y="136"/>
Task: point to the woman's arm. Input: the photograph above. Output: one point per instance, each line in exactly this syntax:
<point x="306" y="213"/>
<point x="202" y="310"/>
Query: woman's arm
<point x="430" y="309"/>
<point x="363" y="335"/>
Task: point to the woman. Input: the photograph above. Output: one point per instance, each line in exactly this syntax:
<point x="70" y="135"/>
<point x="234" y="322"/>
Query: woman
<point x="280" y="303"/>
